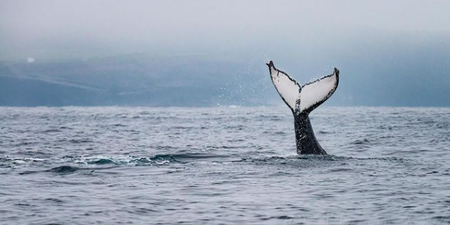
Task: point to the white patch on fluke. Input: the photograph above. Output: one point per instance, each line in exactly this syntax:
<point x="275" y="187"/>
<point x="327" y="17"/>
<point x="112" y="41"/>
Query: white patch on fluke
<point x="287" y="87"/>
<point x="318" y="91"/>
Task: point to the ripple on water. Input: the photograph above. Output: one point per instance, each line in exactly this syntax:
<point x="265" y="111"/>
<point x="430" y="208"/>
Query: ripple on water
<point x="222" y="166"/>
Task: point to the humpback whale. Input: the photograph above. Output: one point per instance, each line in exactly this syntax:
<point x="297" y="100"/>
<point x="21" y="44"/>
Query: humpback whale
<point x="302" y="100"/>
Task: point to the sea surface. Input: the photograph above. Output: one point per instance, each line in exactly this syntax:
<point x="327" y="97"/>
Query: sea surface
<point x="223" y="165"/>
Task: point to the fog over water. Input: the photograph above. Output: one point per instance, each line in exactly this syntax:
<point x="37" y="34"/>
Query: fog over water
<point x="389" y="53"/>
<point x="68" y="28"/>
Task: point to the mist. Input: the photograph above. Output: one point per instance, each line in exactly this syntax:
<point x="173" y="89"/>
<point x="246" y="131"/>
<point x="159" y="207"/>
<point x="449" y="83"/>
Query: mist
<point x="394" y="53"/>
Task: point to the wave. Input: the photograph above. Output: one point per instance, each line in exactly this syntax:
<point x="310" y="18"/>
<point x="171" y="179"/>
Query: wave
<point x="71" y="164"/>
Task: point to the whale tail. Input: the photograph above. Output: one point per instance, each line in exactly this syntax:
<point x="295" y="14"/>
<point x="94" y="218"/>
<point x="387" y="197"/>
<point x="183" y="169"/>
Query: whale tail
<point x="303" y="99"/>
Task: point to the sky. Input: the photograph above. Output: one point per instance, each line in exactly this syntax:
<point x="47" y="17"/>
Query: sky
<point x="390" y="52"/>
<point x="50" y="29"/>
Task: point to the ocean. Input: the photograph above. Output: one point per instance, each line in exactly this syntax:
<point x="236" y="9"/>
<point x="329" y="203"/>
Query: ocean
<point x="223" y="165"/>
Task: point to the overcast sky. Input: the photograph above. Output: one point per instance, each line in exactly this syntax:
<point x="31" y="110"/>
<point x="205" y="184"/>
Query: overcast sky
<point x="85" y="28"/>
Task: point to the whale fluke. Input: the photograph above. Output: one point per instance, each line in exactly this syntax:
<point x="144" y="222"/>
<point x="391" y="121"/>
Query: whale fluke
<point x="309" y="96"/>
<point x="302" y="100"/>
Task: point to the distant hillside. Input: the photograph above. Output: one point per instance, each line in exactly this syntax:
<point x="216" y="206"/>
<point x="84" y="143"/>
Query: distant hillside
<point x="395" y="71"/>
<point x="124" y="80"/>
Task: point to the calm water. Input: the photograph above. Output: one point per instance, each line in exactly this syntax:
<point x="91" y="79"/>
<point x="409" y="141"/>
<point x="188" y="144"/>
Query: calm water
<point x="77" y="165"/>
